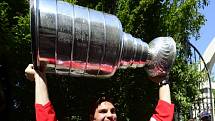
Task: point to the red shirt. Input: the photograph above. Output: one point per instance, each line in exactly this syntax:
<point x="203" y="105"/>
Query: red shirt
<point x="45" y="113"/>
<point x="163" y="112"/>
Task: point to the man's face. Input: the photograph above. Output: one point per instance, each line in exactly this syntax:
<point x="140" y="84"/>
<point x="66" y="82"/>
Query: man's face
<point x="105" y="112"/>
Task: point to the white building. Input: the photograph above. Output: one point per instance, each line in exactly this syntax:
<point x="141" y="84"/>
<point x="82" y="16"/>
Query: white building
<point x="209" y="59"/>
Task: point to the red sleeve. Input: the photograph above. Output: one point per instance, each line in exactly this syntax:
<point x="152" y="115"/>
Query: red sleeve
<point x="164" y="111"/>
<point x="45" y="113"/>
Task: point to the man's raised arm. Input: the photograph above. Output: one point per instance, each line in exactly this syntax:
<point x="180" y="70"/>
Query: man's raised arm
<point x="44" y="109"/>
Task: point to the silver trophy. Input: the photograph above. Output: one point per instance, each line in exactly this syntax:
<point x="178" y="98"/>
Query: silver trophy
<point x="78" y="41"/>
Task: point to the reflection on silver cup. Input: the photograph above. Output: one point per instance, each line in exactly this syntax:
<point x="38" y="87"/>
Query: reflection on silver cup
<point x="78" y="41"/>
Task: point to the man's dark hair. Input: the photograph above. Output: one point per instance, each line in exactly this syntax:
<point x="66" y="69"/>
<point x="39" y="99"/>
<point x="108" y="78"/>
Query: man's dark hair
<point x="96" y="103"/>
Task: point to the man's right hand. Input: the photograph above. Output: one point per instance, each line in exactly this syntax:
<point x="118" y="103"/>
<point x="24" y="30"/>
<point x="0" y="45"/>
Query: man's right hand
<point x="32" y="74"/>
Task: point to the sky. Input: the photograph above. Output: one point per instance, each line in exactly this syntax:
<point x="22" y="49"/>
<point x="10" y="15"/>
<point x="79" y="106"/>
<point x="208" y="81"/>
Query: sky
<point x="207" y="32"/>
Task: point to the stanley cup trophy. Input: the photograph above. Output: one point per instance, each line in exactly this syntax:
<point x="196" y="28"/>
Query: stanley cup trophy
<point x="78" y="41"/>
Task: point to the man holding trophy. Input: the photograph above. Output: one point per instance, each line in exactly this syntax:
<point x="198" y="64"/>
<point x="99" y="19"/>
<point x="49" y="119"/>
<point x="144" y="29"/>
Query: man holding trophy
<point x="76" y="41"/>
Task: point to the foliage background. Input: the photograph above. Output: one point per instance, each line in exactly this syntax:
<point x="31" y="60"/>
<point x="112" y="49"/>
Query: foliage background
<point x="135" y="97"/>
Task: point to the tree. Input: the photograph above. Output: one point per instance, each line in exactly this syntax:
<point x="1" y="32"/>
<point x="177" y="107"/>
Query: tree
<point x="129" y="88"/>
